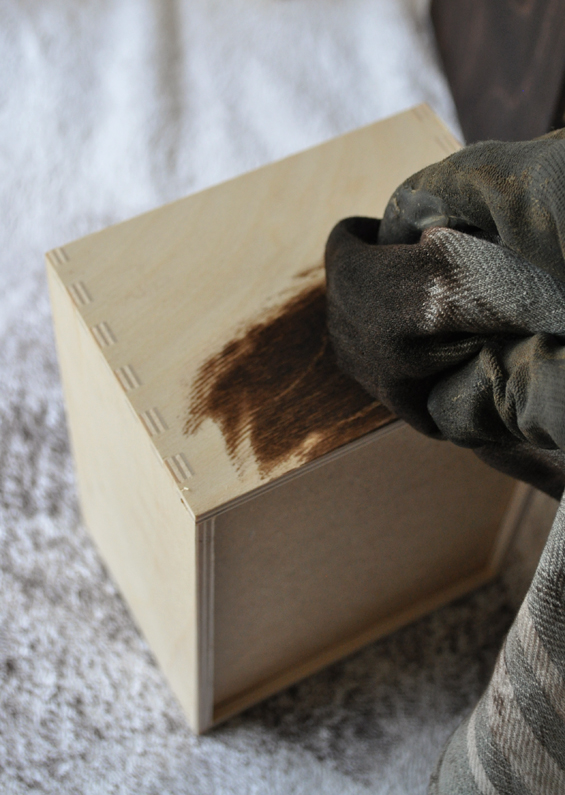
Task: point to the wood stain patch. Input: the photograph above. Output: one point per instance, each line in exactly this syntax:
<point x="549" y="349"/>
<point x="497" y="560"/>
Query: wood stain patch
<point x="278" y="386"/>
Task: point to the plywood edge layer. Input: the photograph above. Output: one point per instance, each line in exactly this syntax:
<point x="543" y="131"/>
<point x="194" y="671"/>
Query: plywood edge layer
<point x="205" y="609"/>
<point x="395" y="424"/>
<point x="225" y="710"/>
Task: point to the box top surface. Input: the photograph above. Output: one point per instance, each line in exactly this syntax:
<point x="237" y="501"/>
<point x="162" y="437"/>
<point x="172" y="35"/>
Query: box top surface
<point x="210" y="310"/>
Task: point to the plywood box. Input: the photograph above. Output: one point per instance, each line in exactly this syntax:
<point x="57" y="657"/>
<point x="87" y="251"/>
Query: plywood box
<point x="261" y="514"/>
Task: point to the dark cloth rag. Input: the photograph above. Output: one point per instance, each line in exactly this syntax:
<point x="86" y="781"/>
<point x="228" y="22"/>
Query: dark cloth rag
<point x="451" y="311"/>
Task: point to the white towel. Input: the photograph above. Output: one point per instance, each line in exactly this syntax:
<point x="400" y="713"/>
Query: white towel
<point x="109" y="108"/>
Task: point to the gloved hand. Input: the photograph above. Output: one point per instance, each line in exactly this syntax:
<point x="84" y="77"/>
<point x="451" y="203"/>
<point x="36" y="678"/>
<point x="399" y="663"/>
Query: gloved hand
<point x="451" y="310"/>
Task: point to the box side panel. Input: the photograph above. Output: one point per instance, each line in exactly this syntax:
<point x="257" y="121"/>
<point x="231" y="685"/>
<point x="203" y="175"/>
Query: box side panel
<point x="400" y="522"/>
<point x="130" y="502"/>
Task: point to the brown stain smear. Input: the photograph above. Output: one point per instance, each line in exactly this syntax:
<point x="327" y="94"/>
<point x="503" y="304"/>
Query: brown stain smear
<point x="278" y="385"/>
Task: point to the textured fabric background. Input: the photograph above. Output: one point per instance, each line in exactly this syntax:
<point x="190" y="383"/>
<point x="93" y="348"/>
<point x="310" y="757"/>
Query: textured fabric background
<point x="109" y="108"/>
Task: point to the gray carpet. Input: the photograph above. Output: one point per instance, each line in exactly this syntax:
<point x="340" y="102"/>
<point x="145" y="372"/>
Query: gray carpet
<point x="108" y="108"/>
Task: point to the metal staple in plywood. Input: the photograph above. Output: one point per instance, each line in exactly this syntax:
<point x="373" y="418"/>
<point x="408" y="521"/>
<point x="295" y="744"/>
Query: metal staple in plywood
<point x="179" y="467"/>
<point x="127" y="377"/>
<point x="58" y="256"/>
<point x="153" y="421"/>
<point x="79" y="293"/>
<point x="104" y="335"/>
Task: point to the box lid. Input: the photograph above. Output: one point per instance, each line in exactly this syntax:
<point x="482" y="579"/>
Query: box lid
<point x="210" y="311"/>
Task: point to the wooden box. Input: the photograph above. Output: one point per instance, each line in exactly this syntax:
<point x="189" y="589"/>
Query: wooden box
<point x="262" y="515"/>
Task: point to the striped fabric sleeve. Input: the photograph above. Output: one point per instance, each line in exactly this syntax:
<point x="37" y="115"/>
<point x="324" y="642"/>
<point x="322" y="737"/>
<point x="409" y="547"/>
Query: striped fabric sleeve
<point x="513" y="743"/>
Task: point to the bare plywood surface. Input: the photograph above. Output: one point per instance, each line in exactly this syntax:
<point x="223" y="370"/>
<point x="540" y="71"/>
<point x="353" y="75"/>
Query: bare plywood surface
<point x="192" y="302"/>
<point x="318" y="561"/>
<point x="131" y="504"/>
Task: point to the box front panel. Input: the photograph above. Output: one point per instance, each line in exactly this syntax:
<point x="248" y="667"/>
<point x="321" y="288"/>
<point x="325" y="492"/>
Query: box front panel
<point x="357" y="541"/>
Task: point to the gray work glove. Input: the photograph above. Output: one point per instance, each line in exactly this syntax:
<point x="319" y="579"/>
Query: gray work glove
<point x="451" y="311"/>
